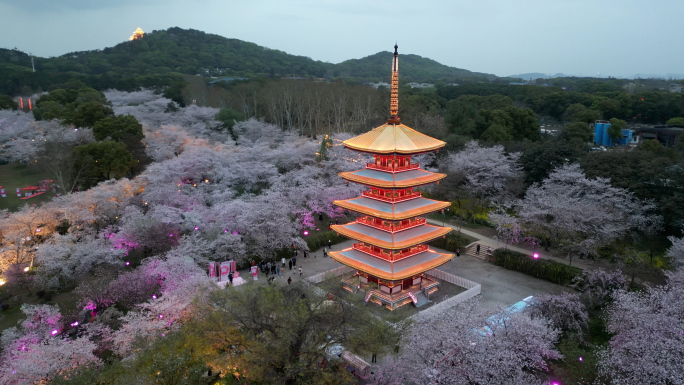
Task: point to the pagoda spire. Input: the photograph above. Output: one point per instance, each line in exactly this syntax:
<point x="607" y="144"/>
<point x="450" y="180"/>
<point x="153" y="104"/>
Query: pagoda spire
<point x="394" y="91"/>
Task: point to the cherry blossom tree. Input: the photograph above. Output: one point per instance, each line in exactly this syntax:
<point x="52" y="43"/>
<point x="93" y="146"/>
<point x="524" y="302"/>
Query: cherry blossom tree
<point x="36" y="351"/>
<point x="488" y="170"/>
<point x="466" y="346"/>
<point x="181" y="281"/>
<point x="565" y="311"/>
<point x="676" y="251"/>
<point x="576" y="213"/>
<point x="599" y="285"/>
<point x="647" y="346"/>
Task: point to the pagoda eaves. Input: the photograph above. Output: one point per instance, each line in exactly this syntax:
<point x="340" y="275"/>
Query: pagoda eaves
<point x="394" y="139"/>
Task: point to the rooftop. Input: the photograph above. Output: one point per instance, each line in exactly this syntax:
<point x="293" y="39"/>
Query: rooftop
<point x="386" y="179"/>
<point x="392" y="211"/>
<point x="393" y="241"/>
<point x="394" y="139"/>
<point x="381" y="268"/>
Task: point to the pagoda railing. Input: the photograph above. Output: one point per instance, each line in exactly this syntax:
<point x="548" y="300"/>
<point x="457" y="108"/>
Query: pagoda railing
<point x="402" y="198"/>
<point x="391" y="227"/>
<point x="389" y="255"/>
<point x="393" y="169"/>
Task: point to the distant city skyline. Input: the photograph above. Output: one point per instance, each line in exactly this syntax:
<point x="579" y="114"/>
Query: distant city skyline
<point x="574" y="37"/>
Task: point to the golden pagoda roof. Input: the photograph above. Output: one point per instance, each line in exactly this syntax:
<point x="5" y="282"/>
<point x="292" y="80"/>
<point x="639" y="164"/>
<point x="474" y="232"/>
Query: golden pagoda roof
<point x="394" y="139"/>
<point x="385" y="179"/>
<point x="391" y="241"/>
<point x="395" y="270"/>
<point x="392" y="211"/>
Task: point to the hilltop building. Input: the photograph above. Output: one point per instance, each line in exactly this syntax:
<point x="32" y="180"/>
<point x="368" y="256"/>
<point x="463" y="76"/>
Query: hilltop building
<point x="391" y="257"/>
<point x="137" y="34"/>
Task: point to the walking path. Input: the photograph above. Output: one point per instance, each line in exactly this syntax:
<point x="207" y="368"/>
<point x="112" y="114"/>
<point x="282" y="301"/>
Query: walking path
<point x="525" y="249"/>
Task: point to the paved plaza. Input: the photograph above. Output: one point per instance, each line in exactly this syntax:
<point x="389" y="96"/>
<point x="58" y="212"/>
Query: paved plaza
<point x="500" y="287"/>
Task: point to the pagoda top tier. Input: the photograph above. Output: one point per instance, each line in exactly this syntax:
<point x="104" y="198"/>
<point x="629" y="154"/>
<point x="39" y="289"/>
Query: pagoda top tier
<point x="394" y="139"/>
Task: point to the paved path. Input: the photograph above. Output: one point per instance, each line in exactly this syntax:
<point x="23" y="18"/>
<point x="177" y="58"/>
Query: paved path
<point x="525" y="249"/>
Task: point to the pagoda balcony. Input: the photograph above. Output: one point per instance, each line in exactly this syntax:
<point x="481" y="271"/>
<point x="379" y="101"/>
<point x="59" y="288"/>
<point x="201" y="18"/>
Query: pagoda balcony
<point x="389" y="255"/>
<point x="389" y="226"/>
<point x="393" y="169"/>
<point x="390" y="199"/>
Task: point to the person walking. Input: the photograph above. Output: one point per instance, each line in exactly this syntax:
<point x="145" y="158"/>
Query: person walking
<point x="268" y="268"/>
<point x="294" y="261"/>
<point x="230" y="279"/>
<point x="306" y="254"/>
<point x="289" y="263"/>
<point x="300" y="271"/>
<point x="458" y="252"/>
<point x="278" y="270"/>
<point x="329" y="244"/>
<point x="289" y="280"/>
<point x="273" y="267"/>
<point x="325" y="252"/>
<point x="477" y="249"/>
<point x="283" y="261"/>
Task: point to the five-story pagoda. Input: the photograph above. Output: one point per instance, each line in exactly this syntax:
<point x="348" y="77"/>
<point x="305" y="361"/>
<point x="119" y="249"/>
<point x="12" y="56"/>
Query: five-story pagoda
<point x="391" y="257"/>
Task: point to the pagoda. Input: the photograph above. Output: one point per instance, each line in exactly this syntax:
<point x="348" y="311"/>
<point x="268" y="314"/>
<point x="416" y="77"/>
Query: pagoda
<point x="391" y="257"/>
<point x="137" y="34"/>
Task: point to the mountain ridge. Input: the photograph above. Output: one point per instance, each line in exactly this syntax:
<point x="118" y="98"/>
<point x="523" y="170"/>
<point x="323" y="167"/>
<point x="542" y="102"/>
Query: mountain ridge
<point x="176" y="51"/>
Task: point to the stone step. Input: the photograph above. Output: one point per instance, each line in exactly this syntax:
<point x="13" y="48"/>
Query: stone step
<point x="422" y="299"/>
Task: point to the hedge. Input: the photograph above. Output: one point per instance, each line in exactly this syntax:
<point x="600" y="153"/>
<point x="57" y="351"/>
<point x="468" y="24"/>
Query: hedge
<point x="319" y="240"/>
<point x="451" y="242"/>
<point x="547" y="269"/>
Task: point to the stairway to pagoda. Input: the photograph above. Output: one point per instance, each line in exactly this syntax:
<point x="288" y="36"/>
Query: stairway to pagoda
<point x="422" y="299"/>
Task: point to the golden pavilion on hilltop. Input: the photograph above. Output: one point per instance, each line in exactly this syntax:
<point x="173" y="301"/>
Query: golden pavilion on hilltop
<point x="391" y="257"/>
<point x="137" y="34"/>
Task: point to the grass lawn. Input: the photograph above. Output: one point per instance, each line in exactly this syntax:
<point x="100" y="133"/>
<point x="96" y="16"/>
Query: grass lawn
<point x="18" y="175"/>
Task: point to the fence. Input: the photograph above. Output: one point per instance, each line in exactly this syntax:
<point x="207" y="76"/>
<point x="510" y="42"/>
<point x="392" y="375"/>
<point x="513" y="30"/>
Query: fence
<point x="473" y="289"/>
<point x="456" y="280"/>
<point x="320" y="277"/>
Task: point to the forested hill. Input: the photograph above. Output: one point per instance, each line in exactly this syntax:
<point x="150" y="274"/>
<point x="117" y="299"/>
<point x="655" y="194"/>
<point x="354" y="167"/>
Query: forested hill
<point x="161" y="56"/>
<point x="412" y="67"/>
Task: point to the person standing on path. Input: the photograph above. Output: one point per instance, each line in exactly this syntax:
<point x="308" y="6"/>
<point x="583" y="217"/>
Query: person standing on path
<point x="230" y="279"/>
<point x="283" y="261"/>
<point x="273" y="267"/>
<point x="477" y="249"/>
<point x="329" y="244"/>
<point x="268" y="268"/>
<point x="278" y="270"/>
<point x="289" y="280"/>
<point x="294" y="261"/>
<point x="289" y="263"/>
<point x="325" y="252"/>
<point x="458" y="252"/>
<point x="300" y="271"/>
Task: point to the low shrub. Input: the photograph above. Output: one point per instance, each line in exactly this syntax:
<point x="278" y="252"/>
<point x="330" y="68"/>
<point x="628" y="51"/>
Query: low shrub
<point x="317" y="241"/>
<point x="547" y="269"/>
<point x="451" y="242"/>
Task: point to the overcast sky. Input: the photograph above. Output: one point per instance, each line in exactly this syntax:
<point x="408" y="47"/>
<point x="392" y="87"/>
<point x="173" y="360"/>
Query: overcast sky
<point x="503" y="37"/>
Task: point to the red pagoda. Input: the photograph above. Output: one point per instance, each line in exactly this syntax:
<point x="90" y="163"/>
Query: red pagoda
<point x="392" y="256"/>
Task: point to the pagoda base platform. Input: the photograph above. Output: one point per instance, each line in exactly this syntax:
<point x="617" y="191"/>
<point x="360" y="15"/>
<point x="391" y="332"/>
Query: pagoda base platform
<point x="418" y="294"/>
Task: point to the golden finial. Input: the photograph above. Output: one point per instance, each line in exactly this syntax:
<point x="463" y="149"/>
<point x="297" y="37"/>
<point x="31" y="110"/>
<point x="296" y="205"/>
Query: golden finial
<point x="394" y="90"/>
